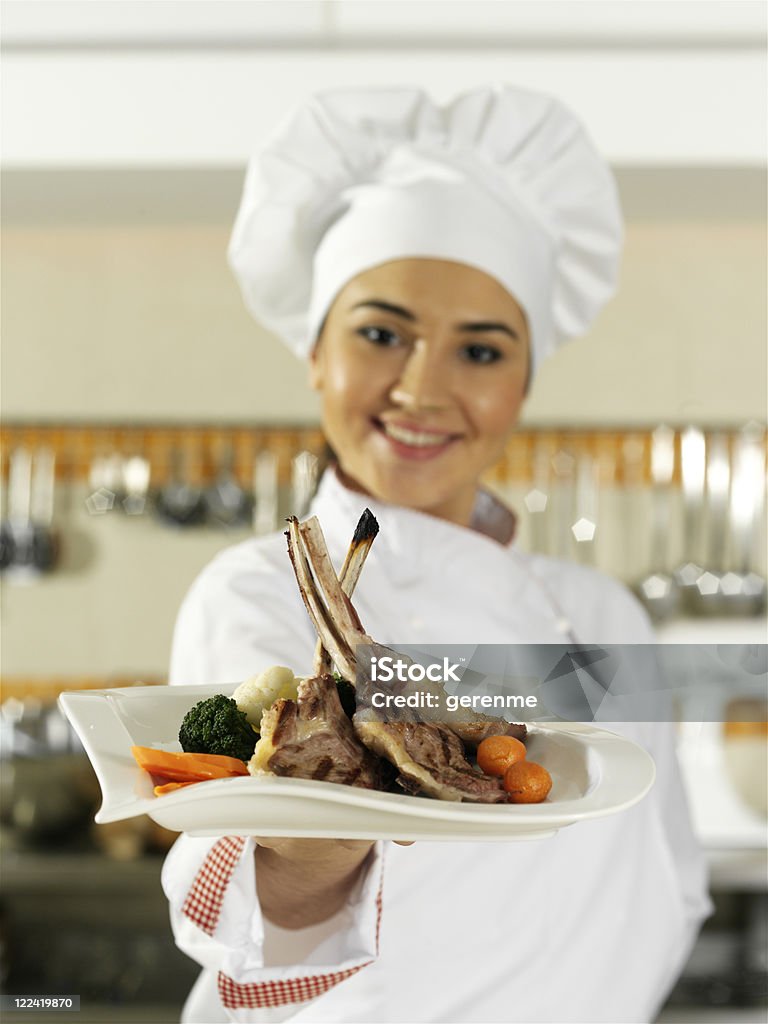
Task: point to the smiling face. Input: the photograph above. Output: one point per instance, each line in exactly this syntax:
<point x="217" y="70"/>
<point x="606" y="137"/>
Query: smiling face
<point x="422" y="366"/>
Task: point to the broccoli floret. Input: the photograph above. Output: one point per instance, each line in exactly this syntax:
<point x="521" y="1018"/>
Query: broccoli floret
<point x="215" y="726"/>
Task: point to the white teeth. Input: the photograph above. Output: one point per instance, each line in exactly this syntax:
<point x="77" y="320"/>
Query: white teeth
<point x="416" y="439"/>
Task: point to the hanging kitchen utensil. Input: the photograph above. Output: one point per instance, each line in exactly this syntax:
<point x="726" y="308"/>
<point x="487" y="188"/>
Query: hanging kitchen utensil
<point x="693" y="476"/>
<point x="743" y="591"/>
<point x="58" y="731"/>
<point x="564" y="492"/>
<point x="11" y="713"/>
<point x="303" y="482"/>
<point x="584" y="528"/>
<point x="537" y="498"/>
<point x="26" y="719"/>
<point x="633" y="495"/>
<point x="22" y="567"/>
<point x="45" y="541"/>
<point x="136" y="477"/>
<point x="6" y="537"/>
<point x="225" y="501"/>
<point x="658" y="589"/>
<point x="706" y="594"/>
<point x="180" y="501"/>
<point x="606" y="455"/>
<point x="265" y="487"/>
<point x="105" y="478"/>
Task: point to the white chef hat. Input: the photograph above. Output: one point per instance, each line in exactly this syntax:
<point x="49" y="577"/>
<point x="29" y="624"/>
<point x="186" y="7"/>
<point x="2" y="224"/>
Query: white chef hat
<point x="501" y="179"/>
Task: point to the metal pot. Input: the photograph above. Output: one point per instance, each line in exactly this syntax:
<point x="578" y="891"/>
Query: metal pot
<point x="47" y="798"/>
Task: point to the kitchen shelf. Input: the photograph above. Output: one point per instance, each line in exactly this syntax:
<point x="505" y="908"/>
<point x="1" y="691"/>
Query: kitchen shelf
<point x="621" y="455"/>
<point x="76" y="446"/>
<point x="47" y="688"/>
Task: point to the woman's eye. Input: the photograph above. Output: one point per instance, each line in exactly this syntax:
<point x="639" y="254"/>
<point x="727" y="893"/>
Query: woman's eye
<point x="379" y="336"/>
<point x="476" y="353"/>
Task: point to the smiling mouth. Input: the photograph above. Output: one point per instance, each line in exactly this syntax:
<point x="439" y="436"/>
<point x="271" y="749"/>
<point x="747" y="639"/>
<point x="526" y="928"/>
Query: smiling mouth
<point x="414" y="438"/>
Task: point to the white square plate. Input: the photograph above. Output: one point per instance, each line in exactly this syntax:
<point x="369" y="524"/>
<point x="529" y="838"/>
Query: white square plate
<point x="594" y="773"/>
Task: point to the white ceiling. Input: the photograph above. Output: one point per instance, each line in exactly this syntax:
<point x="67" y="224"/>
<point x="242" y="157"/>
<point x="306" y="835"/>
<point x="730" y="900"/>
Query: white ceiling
<point x="190" y="83"/>
<point x="73" y="22"/>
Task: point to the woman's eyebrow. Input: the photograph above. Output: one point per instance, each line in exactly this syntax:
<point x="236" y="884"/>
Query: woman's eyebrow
<point x="473" y="328"/>
<point x="387" y="307"/>
<point x="478" y="328"/>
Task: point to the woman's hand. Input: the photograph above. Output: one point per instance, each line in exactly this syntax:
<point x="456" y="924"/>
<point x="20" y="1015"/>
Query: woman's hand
<point x="301" y="882"/>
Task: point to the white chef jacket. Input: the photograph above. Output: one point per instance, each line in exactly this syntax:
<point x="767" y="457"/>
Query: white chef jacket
<point x="593" y="924"/>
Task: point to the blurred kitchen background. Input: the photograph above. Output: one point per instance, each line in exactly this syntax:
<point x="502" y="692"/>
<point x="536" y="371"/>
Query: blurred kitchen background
<point x="148" y="421"/>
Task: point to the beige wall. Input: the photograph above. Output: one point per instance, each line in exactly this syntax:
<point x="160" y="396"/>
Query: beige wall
<point x="113" y="322"/>
<point x="118" y="304"/>
<point x="117" y="322"/>
<point x="683" y="341"/>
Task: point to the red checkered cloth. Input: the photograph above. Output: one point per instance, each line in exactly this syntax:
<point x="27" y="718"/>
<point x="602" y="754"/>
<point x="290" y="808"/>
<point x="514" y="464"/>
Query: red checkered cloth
<point x="204" y="899"/>
<point x="261" y="994"/>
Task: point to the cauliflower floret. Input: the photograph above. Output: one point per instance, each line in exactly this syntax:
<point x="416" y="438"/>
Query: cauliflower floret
<point x="259" y="693"/>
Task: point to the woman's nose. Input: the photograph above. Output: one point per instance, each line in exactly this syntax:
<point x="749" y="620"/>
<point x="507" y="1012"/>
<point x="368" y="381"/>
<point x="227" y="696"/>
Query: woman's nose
<point x="422" y="384"/>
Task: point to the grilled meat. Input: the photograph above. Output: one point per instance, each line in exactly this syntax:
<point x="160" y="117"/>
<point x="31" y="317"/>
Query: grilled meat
<point x="473" y="733"/>
<point x="312" y="738"/>
<point x="430" y="759"/>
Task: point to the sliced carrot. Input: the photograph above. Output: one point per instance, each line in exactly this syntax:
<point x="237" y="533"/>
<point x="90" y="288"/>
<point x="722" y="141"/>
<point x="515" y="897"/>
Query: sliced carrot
<point x="169" y="787"/>
<point x="233" y="764"/>
<point x="180" y="767"/>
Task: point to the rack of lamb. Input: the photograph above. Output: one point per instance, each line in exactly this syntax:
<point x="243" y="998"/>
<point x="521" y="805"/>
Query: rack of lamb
<point x="313" y="737"/>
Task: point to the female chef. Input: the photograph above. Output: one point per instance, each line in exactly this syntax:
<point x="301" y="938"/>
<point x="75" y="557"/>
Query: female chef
<point x="426" y="260"/>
